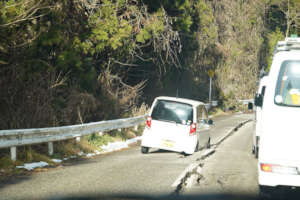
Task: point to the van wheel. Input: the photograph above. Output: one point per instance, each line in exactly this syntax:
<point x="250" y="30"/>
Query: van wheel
<point x="256" y="152"/>
<point x="265" y="192"/>
<point x="208" y="144"/>
<point x="145" y="149"/>
<point x="253" y="149"/>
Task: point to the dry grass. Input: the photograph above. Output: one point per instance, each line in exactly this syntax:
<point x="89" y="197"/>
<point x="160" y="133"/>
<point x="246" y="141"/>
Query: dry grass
<point x="85" y="146"/>
<point x="5" y="163"/>
<point x="7" y="167"/>
<point x="216" y="112"/>
<point x="64" y="149"/>
<point x="71" y="147"/>
<point x="30" y="154"/>
<point x="142" y="110"/>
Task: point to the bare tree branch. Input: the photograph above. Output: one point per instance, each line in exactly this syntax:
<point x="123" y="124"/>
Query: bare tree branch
<point x="125" y="64"/>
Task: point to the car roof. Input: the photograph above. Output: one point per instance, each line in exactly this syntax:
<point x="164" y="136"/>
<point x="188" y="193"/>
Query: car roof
<point x="287" y="55"/>
<point x="263" y="81"/>
<point x="181" y="100"/>
<point x="279" y="58"/>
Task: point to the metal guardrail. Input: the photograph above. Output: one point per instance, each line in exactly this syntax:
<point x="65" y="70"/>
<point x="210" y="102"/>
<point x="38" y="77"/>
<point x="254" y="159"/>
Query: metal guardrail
<point x="246" y="101"/>
<point x="20" y="137"/>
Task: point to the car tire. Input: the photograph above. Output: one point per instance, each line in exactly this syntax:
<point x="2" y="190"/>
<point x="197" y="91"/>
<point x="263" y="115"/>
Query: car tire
<point x="208" y="144"/>
<point x="253" y="149"/>
<point x="186" y="154"/>
<point x="197" y="147"/>
<point x="145" y="150"/>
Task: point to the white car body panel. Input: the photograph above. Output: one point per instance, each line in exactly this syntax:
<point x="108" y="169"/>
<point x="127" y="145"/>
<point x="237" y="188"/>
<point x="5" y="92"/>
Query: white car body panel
<point x="280" y="138"/>
<point x="169" y="136"/>
<point x="258" y="116"/>
<point x="175" y="136"/>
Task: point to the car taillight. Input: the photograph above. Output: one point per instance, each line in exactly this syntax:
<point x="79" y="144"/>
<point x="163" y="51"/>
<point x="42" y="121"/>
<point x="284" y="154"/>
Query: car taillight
<point x="148" y="122"/>
<point x="193" y="129"/>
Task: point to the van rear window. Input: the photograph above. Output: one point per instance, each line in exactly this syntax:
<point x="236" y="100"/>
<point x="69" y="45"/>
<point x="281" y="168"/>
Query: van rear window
<point x="288" y="84"/>
<point x="173" y="111"/>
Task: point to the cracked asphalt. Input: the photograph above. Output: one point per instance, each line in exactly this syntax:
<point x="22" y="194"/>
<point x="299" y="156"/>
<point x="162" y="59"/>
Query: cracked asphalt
<point x="232" y="169"/>
<point x="128" y="172"/>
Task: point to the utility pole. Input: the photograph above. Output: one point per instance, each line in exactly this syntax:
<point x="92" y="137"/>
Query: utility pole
<point x="288" y="23"/>
<point x="209" y="97"/>
<point x="210" y="74"/>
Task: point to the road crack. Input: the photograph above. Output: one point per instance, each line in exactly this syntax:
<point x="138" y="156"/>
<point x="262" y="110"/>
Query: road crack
<point x="193" y="174"/>
<point x="190" y="178"/>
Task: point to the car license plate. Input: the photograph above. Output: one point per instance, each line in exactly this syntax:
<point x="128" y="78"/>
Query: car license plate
<point x="167" y="143"/>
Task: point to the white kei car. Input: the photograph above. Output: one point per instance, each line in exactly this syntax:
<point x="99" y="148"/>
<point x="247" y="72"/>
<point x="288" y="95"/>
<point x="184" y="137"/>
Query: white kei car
<point x="177" y="124"/>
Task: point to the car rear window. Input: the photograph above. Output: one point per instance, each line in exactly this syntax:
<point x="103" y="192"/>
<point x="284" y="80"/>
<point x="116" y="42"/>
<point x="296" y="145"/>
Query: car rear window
<point x="288" y="84"/>
<point x="173" y="111"/>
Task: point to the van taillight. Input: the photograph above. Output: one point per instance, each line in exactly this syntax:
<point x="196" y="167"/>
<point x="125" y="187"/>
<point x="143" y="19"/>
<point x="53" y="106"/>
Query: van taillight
<point x="193" y="129"/>
<point x="279" y="169"/>
<point x="148" y="122"/>
<point x="266" y="167"/>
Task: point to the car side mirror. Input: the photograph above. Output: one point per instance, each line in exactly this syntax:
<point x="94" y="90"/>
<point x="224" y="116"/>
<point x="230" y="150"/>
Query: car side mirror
<point x="258" y="100"/>
<point x="210" y="122"/>
<point x="250" y="106"/>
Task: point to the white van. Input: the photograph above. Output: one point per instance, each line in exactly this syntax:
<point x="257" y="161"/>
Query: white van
<point x="176" y="124"/>
<point x="258" y="102"/>
<point x="279" y="154"/>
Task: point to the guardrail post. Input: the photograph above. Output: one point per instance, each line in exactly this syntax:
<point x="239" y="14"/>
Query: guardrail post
<point x="119" y="129"/>
<point x="136" y="127"/>
<point x="13" y="153"/>
<point x="77" y="139"/>
<point x="100" y="133"/>
<point x="50" y="148"/>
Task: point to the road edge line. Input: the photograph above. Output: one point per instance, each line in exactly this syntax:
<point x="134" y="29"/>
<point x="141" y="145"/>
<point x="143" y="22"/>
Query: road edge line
<point x="230" y="132"/>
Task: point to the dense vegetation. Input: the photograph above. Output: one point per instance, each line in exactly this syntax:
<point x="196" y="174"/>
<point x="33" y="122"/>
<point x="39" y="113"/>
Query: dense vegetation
<point x="67" y="62"/>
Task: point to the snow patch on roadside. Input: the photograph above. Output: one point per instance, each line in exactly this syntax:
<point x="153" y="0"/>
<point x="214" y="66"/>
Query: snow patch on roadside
<point x="31" y="166"/>
<point x="93" y="154"/>
<point x="114" y="146"/>
<point x="133" y="140"/>
<point x="56" y="160"/>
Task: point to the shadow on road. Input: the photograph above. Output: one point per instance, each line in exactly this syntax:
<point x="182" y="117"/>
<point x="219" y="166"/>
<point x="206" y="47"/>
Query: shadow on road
<point x="171" y="197"/>
<point x="12" y="180"/>
<point x="162" y="151"/>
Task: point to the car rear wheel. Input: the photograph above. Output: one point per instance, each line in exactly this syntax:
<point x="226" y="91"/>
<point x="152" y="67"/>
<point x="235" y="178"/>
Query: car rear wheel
<point x="145" y="149"/>
<point x="197" y="147"/>
<point x="208" y="144"/>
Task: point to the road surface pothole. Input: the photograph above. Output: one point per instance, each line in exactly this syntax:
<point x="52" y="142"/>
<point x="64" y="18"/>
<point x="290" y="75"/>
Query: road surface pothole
<point x="192" y="176"/>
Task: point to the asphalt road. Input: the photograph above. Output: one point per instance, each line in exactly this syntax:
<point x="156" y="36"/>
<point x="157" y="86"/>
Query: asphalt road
<point x="123" y="173"/>
<point x="231" y="171"/>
